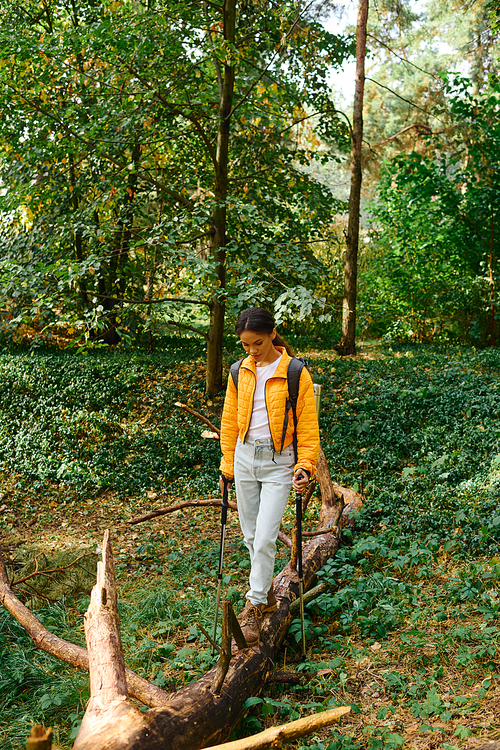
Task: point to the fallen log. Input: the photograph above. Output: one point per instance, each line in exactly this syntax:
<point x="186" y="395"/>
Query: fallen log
<point x="197" y="716"/>
<point x="194" y="717"/>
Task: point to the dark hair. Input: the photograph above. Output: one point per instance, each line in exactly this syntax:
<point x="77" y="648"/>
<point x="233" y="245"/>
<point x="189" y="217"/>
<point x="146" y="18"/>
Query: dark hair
<point x="260" y="320"/>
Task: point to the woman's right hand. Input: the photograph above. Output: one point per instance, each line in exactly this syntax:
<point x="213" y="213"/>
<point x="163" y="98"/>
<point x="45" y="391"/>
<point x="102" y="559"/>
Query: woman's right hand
<point x="221" y="484"/>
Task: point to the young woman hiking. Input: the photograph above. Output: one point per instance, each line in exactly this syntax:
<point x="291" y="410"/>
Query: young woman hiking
<point x="251" y="438"/>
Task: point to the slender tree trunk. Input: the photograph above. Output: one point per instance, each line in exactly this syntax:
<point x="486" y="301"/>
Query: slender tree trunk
<point x="218" y="248"/>
<point x="348" y="341"/>
<point x="492" y="283"/>
<point x="78" y="236"/>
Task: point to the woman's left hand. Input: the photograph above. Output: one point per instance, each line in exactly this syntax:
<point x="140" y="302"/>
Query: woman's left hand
<point x="300" y="480"/>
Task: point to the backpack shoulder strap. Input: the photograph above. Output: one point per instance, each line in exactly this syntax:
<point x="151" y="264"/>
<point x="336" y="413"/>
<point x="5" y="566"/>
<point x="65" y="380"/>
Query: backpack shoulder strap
<point x="235" y="372"/>
<point x="295" y="367"/>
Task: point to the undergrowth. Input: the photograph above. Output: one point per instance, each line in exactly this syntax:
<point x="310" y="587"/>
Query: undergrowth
<point x="408" y="632"/>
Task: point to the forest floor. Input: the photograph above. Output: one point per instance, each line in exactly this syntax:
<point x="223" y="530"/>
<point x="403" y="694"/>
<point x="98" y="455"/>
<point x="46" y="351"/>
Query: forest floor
<point x="408" y="634"/>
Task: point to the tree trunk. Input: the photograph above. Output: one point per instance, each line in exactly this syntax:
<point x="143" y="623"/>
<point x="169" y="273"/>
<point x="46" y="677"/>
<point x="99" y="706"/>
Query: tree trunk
<point x="348" y="341"/>
<point x="195" y="716"/>
<point x="108" y="683"/>
<point x="144" y="691"/>
<point x="492" y="281"/>
<point x="218" y="248"/>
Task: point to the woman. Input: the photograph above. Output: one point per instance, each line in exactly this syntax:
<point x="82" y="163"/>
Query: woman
<point x="251" y="439"/>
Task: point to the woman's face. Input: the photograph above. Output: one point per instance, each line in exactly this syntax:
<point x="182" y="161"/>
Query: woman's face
<point x="260" y="346"/>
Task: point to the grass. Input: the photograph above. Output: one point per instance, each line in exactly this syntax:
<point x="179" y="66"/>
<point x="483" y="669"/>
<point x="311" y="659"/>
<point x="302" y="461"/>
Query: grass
<point x="409" y="632"/>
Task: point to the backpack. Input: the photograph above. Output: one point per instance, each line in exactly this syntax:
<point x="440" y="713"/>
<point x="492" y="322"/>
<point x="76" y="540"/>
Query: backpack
<point x="295" y="367"/>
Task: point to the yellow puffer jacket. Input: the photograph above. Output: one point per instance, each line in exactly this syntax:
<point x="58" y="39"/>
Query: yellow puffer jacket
<point x="238" y="412"/>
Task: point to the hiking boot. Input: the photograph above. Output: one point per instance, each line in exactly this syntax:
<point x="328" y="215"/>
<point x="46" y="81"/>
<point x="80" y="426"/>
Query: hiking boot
<point x="251" y="620"/>
<point x="271" y="602"/>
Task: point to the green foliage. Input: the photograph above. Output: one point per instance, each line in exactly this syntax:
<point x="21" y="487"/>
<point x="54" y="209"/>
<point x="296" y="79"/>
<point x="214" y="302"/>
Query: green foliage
<point x="35" y="688"/>
<point x="411" y="46"/>
<point x="430" y="275"/>
<point x="95" y="423"/>
<point x="116" y="188"/>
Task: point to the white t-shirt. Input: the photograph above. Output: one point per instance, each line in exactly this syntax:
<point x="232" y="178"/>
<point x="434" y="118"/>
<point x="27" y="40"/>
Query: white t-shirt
<point x="259" y="423"/>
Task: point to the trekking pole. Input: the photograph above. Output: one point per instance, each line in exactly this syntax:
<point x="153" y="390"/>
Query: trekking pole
<point x="225" y="505"/>
<point x="298" y="513"/>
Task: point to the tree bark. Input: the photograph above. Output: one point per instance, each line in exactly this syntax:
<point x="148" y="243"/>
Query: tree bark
<point x="108" y="684"/>
<point x="348" y="340"/>
<point x="218" y="249"/>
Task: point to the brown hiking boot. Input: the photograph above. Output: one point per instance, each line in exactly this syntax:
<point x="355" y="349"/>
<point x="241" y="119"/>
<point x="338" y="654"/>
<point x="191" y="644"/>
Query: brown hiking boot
<point x="251" y="620"/>
<point x="271" y="602"/>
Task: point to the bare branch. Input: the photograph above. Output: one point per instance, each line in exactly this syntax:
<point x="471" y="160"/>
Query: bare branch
<point x="310" y="596"/>
<point x="278" y="736"/>
<point x="284" y="539"/>
<point x="150" y="301"/>
<point x="318" y="532"/>
<point x="408" y="62"/>
<point x="418" y="126"/>
<point x="408" y="101"/>
<point x="225" y="652"/>
<point x="198" y="416"/>
<point x="179" y="506"/>
<point x="187" y="328"/>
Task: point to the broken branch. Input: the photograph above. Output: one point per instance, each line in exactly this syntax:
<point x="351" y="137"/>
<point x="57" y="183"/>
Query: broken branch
<point x="197" y="414"/>
<point x="179" y="506"/>
<point x="277" y="736"/>
<point x="37" y="572"/>
<point x="145" y="692"/>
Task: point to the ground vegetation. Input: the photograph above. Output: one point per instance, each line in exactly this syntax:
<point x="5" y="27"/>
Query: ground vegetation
<point x="408" y="632"/>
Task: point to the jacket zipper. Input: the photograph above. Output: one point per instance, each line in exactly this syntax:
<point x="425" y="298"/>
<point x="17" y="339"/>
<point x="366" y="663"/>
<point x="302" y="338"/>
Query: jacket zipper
<point x="273" y="377"/>
<point x="253" y="395"/>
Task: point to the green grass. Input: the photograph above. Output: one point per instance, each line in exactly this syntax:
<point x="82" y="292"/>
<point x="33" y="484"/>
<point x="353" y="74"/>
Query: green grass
<point x="408" y="633"/>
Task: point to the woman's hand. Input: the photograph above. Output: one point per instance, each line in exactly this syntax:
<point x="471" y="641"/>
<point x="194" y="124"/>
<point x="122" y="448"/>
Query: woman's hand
<point x="221" y="484"/>
<point x="300" y="480"/>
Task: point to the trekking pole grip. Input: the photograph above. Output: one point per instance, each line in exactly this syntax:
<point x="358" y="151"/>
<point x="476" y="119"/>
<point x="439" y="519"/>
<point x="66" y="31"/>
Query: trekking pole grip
<point x="225" y="498"/>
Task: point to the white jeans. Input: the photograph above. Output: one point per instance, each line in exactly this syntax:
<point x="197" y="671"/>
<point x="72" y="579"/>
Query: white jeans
<point x="263" y="480"/>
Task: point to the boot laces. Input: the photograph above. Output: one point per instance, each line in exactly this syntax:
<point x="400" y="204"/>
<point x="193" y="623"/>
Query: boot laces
<point x="252" y="616"/>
